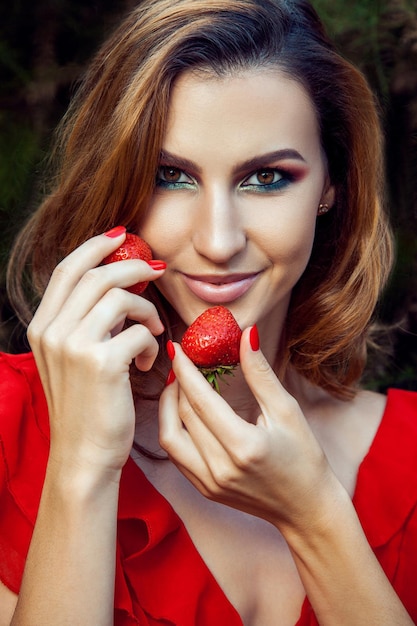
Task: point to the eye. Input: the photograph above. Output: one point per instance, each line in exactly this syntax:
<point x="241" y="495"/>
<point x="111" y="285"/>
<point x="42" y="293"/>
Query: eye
<point x="168" y="176"/>
<point x="266" y="179"/>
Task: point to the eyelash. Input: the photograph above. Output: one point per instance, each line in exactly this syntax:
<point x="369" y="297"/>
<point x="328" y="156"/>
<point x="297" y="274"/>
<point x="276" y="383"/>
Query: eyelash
<point x="165" y="184"/>
<point x="285" y="178"/>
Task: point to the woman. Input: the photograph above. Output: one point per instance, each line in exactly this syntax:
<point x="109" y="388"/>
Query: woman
<point x="233" y="138"/>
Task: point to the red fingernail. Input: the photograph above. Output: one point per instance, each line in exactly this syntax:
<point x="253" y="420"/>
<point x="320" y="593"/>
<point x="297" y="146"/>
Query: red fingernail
<point x="156" y="264"/>
<point x="170" y="378"/>
<point x="254" y="338"/>
<point x="170" y="350"/>
<point x="116" y="232"/>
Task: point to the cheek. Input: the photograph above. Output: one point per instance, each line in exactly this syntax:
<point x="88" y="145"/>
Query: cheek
<point x="164" y="231"/>
<point x="290" y="243"/>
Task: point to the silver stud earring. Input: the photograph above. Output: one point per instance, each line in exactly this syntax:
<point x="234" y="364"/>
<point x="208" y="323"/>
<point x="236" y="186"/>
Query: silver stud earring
<point x="323" y="208"/>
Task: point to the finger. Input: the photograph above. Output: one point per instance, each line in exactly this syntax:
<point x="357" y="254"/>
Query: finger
<point x="97" y="281"/>
<point x="111" y="310"/>
<point x="136" y="342"/>
<point x="208" y="405"/>
<point x="262" y="380"/>
<point x="203" y="459"/>
<point x="70" y="270"/>
<point x="199" y="455"/>
<point x="209" y="446"/>
<point x="174" y="438"/>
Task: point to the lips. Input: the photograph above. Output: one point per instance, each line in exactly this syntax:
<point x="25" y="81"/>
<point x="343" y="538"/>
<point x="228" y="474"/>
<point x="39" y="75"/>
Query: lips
<point x="215" y="289"/>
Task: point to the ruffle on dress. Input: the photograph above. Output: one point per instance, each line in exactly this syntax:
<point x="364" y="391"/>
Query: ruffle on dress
<point x="164" y="576"/>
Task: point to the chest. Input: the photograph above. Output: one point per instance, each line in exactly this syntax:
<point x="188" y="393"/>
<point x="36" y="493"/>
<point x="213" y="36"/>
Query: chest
<point x="248" y="557"/>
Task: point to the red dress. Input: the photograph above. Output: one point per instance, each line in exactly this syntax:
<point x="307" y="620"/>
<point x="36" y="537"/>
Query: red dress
<point x="160" y="576"/>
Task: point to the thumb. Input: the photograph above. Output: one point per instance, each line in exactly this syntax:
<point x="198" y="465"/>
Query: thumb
<point x="259" y="374"/>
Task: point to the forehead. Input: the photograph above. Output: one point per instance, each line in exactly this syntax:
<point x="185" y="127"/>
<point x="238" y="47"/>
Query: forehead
<point x="256" y="106"/>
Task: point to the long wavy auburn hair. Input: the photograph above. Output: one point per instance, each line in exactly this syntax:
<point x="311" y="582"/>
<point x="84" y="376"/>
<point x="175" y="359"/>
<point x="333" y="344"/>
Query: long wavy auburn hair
<point x="109" y="143"/>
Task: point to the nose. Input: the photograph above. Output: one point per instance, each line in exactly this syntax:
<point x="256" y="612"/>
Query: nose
<point x="219" y="233"/>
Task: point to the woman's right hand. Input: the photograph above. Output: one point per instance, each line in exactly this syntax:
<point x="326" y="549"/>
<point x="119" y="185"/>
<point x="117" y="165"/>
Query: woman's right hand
<point x="83" y="357"/>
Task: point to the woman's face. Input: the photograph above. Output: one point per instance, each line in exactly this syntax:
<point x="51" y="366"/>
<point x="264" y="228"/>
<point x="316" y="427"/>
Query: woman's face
<point x="241" y="176"/>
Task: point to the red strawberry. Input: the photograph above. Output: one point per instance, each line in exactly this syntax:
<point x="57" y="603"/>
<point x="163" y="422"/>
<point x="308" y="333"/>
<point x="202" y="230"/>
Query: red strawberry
<point x="212" y="343"/>
<point x="133" y="247"/>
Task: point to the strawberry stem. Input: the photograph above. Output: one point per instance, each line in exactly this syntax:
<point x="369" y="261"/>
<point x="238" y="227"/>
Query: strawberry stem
<point x="214" y="374"/>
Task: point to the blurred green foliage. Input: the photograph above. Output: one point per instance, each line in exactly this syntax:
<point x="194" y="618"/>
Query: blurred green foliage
<point x="380" y="37"/>
<point x="45" y="45"/>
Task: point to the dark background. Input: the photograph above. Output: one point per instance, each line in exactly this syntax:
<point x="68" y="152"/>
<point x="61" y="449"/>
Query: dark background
<point x="44" y="47"/>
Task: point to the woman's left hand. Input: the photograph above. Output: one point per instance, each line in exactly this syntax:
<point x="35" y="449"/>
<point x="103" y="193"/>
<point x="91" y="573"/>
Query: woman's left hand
<point x="274" y="469"/>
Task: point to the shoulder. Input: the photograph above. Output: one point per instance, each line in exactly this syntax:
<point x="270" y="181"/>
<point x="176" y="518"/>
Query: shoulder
<point x="19" y="380"/>
<point x="401" y="400"/>
<point x="386" y="490"/>
<point x="24" y="449"/>
<point x="386" y="494"/>
<point x="398" y="428"/>
<point x="14" y="369"/>
<point x="393" y="449"/>
<point x="23" y="408"/>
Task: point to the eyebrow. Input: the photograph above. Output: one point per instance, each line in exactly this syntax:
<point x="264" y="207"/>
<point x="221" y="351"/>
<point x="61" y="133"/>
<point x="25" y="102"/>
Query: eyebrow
<point x="253" y="163"/>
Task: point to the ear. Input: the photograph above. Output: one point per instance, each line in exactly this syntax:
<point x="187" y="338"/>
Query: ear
<point x="329" y="194"/>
